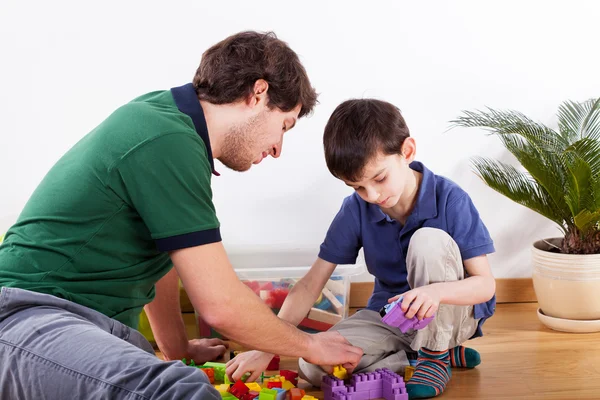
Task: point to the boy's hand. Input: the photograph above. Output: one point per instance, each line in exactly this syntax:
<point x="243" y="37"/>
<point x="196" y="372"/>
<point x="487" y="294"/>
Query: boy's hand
<point x="423" y="302"/>
<point x="255" y="362"/>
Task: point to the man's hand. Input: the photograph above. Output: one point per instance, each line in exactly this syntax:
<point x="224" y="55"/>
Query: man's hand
<point x="203" y="350"/>
<point x="255" y="362"/>
<point x="423" y="302"/>
<point x="331" y="348"/>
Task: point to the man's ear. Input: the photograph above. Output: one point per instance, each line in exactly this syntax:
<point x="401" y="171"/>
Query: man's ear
<point x="409" y="149"/>
<point x="259" y="93"/>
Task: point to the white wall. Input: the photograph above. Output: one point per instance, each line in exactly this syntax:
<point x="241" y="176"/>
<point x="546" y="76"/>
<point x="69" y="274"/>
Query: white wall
<point x="66" y="65"/>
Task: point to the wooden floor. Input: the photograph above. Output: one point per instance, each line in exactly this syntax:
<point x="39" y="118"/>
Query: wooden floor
<point x="522" y="359"/>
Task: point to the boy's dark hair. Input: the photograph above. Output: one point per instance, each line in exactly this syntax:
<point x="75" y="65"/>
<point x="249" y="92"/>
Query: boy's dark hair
<point x="356" y="131"/>
<point x="230" y="68"/>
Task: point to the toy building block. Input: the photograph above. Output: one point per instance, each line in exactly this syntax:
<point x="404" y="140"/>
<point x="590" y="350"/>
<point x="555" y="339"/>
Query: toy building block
<point x="210" y="372"/>
<point x="267" y="394"/>
<point x="324" y="304"/>
<point x="291" y="376"/>
<point x="393" y="385"/>
<point x="219" y="369"/>
<point x="274" y="364"/>
<point x="324" y="316"/>
<point x="380" y="383"/>
<point x="253" y="386"/>
<point x="340" y="372"/>
<point x="228" y="396"/>
<point x="335" y="303"/>
<point x="251" y="395"/>
<point x="274" y="384"/>
<point x="239" y="389"/>
<point x="336" y="287"/>
<point x="222" y="388"/>
<point x="331" y="385"/>
<point x="393" y="315"/>
<point x="296" y="394"/>
<point x="281" y="393"/>
<point x="316" y="325"/>
<point x="287" y="385"/>
<point x="409" y="371"/>
<point x="309" y="397"/>
<point x="274" y="298"/>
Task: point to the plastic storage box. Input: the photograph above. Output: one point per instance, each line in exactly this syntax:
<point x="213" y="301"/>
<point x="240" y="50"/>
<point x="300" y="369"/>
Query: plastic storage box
<point x="272" y="283"/>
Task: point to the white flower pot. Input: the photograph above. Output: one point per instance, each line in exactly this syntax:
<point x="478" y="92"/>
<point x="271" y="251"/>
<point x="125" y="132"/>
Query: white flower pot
<point x="567" y="286"/>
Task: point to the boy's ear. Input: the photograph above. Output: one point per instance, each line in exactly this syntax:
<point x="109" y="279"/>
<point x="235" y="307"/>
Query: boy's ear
<point x="259" y="93"/>
<point x="409" y="149"/>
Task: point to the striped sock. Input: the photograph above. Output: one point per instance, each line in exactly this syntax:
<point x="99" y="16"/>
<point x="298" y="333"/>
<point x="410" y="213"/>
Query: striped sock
<point x="463" y="357"/>
<point x="431" y="374"/>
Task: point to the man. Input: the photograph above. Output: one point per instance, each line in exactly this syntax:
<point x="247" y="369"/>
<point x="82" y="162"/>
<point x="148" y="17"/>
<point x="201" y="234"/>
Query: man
<point x="124" y="205"/>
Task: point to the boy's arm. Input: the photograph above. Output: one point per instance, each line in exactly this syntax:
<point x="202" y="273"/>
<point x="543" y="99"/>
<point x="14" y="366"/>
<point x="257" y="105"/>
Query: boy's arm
<point x="479" y="287"/>
<point x="306" y="291"/>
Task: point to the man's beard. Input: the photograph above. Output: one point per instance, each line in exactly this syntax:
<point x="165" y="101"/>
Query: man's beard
<point x="239" y="144"/>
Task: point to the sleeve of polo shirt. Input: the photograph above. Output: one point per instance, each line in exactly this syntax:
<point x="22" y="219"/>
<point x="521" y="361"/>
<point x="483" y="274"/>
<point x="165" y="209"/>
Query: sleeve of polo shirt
<point x="342" y="242"/>
<point x="466" y="227"/>
<point x="167" y="181"/>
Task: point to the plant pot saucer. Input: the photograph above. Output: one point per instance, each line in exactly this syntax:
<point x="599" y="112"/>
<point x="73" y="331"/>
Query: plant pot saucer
<point x="569" y="325"/>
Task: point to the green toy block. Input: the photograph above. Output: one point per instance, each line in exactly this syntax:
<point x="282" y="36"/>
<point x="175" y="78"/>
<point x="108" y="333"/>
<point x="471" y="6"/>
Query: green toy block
<point x="219" y="370"/>
<point x="267" y="394"/>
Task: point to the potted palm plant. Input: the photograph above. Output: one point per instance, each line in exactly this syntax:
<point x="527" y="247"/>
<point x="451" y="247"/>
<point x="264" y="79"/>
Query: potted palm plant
<point x="559" y="179"/>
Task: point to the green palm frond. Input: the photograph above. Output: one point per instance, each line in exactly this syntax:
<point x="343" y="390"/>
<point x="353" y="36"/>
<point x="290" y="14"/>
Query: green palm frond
<point x="513" y="123"/>
<point x="562" y="181"/>
<point x="579" y="120"/>
<point x="517" y="186"/>
<point x="543" y="166"/>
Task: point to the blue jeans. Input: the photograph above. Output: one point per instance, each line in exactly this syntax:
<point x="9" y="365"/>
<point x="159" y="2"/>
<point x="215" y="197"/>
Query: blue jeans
<point x="52" y="348"/>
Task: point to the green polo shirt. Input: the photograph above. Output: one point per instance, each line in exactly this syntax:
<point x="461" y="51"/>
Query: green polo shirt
<point x="98" y="228"/>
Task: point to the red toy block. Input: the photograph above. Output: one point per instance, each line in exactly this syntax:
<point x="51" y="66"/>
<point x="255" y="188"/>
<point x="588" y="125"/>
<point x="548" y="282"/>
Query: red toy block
<point x="251" y="395"/>
<point x="276" y="297"/>
<point x="239" y="389"/>
<point x="316" y="325"/>
<point x="296" y="394"/>
<point x="274" y="364"/>
<point x="271" y="385"/>
<point x="290" y="376"/>
<point x="210" y="372"/>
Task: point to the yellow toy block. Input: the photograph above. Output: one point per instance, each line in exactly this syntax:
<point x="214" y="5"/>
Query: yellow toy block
<point x="307" y="397"/>
<point x="253" y="386"/>
<point x="287" y="385"/>
<point x="223" y="388"/>
<point x="409" y="370"/>
<point x="340" y="372"/>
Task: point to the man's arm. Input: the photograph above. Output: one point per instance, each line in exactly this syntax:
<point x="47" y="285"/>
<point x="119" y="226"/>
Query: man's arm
<point x="233" y="309"/>
<point x="164" y="314"/>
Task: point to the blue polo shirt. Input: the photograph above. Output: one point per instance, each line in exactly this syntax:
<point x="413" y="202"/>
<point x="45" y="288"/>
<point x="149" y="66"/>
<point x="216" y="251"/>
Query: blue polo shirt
<point x="441" y="204"/>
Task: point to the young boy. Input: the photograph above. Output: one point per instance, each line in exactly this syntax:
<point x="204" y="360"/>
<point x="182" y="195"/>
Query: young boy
<point x="422" y="238"/>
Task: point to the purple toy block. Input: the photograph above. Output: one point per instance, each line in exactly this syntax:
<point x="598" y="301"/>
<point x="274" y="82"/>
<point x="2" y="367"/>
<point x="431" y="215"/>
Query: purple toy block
<point x="392" y="315"/>
<point x="393" y="386"/>
<point x="366" y="381"/>
<point x="331" y="385"/>
<point x="366" y="386"/>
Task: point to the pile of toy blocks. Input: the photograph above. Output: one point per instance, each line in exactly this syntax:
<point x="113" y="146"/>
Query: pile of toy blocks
<point x="383" y="383"/>
<point x="276" y="387"/>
